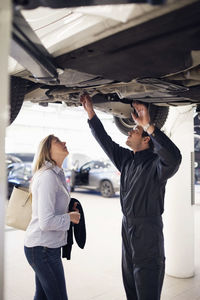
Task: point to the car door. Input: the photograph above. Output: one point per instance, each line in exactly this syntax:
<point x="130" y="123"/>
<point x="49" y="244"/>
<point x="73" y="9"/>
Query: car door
<point x="95" y="174"/>
<point x="82" y="176"/>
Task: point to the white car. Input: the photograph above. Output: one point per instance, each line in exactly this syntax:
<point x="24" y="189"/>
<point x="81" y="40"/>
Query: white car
<point x="97" y="175"/>
<point x="116" y="53"/>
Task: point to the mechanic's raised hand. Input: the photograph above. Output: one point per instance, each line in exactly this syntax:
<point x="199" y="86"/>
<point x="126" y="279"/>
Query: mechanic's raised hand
<point x="142" y="118"/>
<point x="74" y="217"/>
<point x="88" y="105"/>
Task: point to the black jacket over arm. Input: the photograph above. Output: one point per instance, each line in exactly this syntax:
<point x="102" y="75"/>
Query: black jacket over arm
<point x="78" y="230"/>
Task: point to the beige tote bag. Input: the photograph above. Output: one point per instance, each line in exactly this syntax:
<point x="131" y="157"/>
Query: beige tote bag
<point x="19" y="209"/>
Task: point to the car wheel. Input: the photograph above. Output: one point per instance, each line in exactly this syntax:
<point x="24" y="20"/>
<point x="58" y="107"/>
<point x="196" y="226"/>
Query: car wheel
<point x="106" y="188"/>
<point x="158" y="117"/>
<point x="18" y="87"/>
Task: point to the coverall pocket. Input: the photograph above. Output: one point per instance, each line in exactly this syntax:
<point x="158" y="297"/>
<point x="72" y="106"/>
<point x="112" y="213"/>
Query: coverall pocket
<point x="147" y="241"/>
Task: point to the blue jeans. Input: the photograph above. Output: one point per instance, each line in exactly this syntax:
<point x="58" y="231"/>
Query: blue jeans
<point x="49" y="273"/>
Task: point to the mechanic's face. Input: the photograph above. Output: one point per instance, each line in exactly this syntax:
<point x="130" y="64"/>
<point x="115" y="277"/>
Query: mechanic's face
<point x="135" y="139"/>
<point x="58" y="148"/>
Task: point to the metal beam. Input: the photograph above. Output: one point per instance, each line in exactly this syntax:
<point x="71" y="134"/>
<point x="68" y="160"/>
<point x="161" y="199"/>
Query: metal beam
<point x="26" y="48"/>
<point x="30" y="4"/>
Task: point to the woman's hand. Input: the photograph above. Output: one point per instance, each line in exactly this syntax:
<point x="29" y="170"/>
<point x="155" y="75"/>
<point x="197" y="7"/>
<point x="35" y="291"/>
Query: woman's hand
<point x="74" y="217"/>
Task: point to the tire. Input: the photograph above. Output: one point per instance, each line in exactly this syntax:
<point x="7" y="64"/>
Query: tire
<point x="18" y="87"/>
<point x="106" y="189"/>
<point x="158" y="116"/>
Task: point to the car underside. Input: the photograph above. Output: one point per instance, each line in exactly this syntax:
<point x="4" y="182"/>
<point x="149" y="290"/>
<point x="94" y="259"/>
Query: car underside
<point x="153" y="58"/>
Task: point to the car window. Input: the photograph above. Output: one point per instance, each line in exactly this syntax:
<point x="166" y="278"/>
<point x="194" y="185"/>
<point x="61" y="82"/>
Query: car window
<point x="98" y="165"/>
<point x="101" y="165"/>
<point x="87" y="165"/>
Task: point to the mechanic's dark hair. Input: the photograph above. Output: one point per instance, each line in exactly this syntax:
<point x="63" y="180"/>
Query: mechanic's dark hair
<point x="151" y="145"/>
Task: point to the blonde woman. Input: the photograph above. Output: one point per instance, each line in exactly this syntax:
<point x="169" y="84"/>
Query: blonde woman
<point x="47" y="231"/>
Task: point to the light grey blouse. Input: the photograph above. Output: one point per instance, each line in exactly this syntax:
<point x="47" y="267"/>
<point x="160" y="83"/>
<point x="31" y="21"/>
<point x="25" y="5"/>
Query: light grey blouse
<point x="50" y="200"/>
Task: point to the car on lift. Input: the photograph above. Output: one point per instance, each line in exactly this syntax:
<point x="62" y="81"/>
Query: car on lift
<point x="96" y="175"/>
<point x="117" y="53"/>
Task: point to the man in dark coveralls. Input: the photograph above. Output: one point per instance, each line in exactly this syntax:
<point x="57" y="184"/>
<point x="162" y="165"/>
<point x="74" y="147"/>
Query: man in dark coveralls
<point x="144" y="174"/>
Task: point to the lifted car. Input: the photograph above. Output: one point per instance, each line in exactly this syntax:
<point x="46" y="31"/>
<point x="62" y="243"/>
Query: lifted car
<point x="115" y="53"/>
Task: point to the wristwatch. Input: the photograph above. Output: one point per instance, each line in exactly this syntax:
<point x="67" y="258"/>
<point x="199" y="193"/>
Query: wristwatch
<point x="145" y="128"/>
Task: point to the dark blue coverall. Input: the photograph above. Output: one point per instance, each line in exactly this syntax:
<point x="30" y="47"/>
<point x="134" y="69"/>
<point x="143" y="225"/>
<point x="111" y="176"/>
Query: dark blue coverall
<point x="143" y="179"/>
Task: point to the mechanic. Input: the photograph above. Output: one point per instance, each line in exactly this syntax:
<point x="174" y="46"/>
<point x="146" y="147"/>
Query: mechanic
<point x="144" y="174"/>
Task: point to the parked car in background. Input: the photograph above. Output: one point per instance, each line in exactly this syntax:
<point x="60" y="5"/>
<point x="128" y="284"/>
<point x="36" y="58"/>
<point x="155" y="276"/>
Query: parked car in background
<point x="24" y="157"/>
<point x="10" y="159"/>
<point x="96" y="175"/>
<point x="10" y="162"/>
<point x="19" y="175"/>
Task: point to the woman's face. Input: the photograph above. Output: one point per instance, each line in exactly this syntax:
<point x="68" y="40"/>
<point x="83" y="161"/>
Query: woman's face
<point x="58" y="148"/>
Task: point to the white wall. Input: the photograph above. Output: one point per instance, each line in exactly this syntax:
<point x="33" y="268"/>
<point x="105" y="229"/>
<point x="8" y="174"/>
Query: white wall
<point x="70" y="124"/>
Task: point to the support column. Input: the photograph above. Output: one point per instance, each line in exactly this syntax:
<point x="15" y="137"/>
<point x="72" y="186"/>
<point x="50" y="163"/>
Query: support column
<point x="5" y="22"/>
<point x="179" y="215"/>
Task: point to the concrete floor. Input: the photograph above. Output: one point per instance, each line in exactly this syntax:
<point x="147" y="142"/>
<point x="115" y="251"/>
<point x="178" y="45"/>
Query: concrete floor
<point x="92" y="273"/>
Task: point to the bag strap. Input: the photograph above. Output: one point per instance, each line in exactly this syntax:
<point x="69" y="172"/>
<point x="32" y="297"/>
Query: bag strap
<point x="27" y="198"/>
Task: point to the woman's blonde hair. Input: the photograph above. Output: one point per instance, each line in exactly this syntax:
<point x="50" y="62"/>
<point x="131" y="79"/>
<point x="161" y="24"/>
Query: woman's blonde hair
<point x="44" y="153"/>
